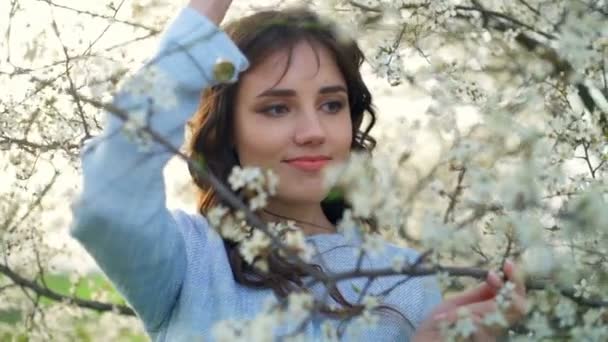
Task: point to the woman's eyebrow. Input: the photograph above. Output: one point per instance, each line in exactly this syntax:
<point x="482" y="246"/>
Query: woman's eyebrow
<point x="278" y="93"/>
<point x="332" y="89"/>
<point x="291" y="92"/>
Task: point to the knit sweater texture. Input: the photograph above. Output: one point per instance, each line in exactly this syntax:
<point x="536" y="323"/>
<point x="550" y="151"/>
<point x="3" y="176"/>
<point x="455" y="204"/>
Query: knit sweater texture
<point x="171" y="266"/>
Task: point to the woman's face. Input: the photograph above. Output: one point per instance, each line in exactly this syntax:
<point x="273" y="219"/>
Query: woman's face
<point x="305" y="115"/>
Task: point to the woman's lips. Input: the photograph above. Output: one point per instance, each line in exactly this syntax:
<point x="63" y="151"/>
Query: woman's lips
<point x="308" y="165"/>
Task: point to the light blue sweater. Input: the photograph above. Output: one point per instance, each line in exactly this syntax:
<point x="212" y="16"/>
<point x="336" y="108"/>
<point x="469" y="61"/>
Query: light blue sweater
<point x="171" y="266"/>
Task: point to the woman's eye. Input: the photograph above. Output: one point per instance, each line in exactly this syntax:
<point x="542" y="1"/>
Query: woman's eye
<point x="275" y="110"/>
<point x="333" y="106"/>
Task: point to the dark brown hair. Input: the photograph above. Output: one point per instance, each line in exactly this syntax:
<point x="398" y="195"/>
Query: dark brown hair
<point x="258" y="36"/>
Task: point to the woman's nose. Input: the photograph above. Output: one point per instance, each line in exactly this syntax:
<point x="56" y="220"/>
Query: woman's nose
<point x="309" y="129"/>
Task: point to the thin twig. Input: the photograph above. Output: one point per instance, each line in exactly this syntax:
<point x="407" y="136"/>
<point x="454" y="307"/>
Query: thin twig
<point x="66" y="54"/>
<point x="588" y="159"/>
<point x="103" y="16"/>
<point x="455" y="194"/>
<point x="35" y="203"/>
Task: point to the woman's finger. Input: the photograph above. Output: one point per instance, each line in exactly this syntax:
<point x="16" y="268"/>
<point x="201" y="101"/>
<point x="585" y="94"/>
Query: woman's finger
<point x="517" y="309"/>
<point x="482" y="292"/>
<point x="516" y="277"/>
<point x="494" y="280"/>
<point x="513" y="313"/>
<point x="477" y="309"/>
<point x="484" y="332"/>
<point x="477" y="294"/>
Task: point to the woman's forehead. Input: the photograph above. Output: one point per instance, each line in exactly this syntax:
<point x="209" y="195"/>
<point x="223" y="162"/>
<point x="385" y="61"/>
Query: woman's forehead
<point x="304" y="62"/>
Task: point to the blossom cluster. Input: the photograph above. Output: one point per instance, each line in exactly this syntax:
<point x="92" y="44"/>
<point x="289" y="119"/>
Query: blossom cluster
<point x="256" y="184"/>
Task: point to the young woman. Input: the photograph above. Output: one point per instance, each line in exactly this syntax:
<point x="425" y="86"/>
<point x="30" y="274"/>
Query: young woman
<point x="294" y="103"/>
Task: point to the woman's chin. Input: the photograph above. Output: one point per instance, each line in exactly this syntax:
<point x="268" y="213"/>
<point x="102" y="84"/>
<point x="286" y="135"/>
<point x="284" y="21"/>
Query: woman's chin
<point x="302" y="197"/>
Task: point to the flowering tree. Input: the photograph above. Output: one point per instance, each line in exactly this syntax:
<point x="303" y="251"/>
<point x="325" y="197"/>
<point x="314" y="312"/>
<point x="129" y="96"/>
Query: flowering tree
<point x="517" y="123"/>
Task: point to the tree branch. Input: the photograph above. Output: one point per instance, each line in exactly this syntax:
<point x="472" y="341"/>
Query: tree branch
<point x="471" y="272"/>
<point x="50" y="294"/>
<point x="32" y="146"/>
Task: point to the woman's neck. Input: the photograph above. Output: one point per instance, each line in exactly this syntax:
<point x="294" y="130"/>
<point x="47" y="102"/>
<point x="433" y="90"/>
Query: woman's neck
<point x="310" y="218"/>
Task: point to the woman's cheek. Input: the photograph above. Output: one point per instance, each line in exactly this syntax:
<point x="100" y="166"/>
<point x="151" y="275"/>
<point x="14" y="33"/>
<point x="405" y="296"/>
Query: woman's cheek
<point x="264" y="143"/>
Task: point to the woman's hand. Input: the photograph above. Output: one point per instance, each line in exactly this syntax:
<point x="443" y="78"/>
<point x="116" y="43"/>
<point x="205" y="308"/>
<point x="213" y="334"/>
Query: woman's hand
<point x="215" y="10"/>
<point x="479" y="302"/>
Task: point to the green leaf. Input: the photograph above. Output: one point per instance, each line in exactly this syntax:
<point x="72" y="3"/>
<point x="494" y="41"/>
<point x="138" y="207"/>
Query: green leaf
<point x="335" y="194"/>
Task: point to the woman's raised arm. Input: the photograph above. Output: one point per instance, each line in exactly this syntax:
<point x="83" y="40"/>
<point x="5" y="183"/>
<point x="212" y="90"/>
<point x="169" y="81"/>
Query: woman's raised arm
<point x="213" y="10"/>
<point x="120" y="217"/>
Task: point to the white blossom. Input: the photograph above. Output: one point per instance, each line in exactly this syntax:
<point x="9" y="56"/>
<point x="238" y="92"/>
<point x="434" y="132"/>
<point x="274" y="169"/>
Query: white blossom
<point x="295" y="240"/>
<point x="256" y="183"/>
<point x="566" y="312"/>
<point x="259" y="201"/>
<point x="347" y="226"/>
<point x="399" y="262"/>
<point x="539" y="325"/>
<point x="227" y="331"/>
<point x="370" y="302"/>
<point x="464" y="326"/>
<point x="216" y="214"/>
<point x="538" y="260"/>
<point x="495" y="318"/>
<point x="300" y="305"/>
<point x="373" y="244"/>
<point x="254" y="246"/>
<point x="505" y="295"/>
<point x="248" y="177"/>
<point x="582" y="289"/>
